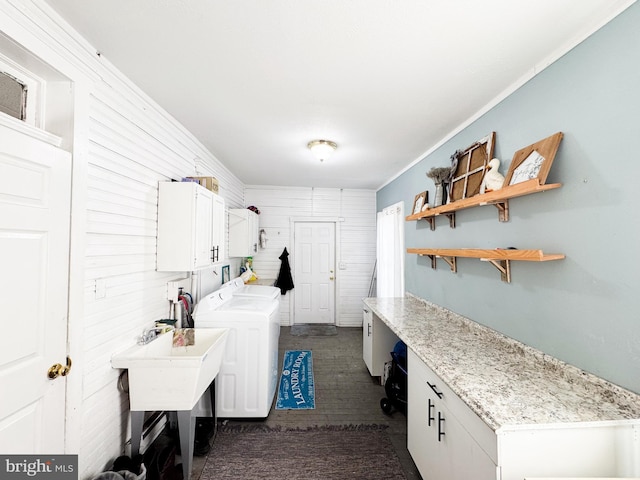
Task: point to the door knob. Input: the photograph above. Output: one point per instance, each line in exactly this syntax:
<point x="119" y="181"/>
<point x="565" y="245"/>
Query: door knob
<point x="57" y="369"/>
<point x="330" y="278"/>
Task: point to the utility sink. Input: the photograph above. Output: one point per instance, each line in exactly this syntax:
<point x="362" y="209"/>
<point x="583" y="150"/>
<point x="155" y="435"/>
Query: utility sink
<point x="164" y="377"/>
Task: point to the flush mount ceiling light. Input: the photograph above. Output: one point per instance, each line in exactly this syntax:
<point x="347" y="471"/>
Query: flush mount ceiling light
<point x="322" y="149"/>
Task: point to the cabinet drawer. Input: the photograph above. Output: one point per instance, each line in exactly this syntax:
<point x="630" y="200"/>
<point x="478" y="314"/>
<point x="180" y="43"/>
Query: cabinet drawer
<point x="483" y="435"/>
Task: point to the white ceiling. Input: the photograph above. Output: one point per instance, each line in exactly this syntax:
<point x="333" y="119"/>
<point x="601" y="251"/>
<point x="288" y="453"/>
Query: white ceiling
<point x="387" y="80"/>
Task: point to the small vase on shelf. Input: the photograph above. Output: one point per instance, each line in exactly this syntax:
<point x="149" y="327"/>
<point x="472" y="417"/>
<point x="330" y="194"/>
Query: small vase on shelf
<point x="437" y="201"/>
<point x="440" y="177"/>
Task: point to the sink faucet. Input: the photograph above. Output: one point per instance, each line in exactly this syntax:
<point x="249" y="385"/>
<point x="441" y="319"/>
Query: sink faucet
<point x="150" y="334"/>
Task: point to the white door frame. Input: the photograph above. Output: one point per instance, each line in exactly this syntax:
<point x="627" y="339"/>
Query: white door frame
<point x="77" y="260"/>
<point x="338" y="257"/>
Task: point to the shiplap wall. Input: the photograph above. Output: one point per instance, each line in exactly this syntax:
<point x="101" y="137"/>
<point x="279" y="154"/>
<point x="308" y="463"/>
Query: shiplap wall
<point x="355" y="239"/>
<point x="123" y="144"/>
<point x="128" y="154"/>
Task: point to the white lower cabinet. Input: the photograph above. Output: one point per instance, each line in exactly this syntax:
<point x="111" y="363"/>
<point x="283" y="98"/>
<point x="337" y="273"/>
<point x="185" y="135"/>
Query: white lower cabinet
<point x="441" y="447"/>
<point x="378" y="341"/>
<point x="448" y="441"/>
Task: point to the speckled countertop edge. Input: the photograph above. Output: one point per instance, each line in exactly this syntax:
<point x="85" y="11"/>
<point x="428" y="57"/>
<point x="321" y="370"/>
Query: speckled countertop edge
<point x="505" y="382"/>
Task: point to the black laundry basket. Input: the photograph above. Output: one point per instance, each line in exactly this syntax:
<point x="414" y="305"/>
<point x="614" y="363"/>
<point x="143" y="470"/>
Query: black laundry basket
<point x="396" y="384"/>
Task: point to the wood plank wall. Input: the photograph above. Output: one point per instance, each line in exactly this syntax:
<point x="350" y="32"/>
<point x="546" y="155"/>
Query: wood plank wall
<point x="129" y="152"/>
<point x="355" y="242"/>
<point x="123" y="144"/>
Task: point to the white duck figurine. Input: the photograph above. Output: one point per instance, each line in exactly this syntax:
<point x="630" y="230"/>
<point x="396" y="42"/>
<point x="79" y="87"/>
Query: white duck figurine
<point x="493" y="179"/>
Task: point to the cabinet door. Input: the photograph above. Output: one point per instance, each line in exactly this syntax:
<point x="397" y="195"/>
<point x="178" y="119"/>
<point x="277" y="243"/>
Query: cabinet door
<point x="184" y="227"/>
<point x="462" y="457"/>
<point x="243" y="232"/>
<point x="203" y="239"/>
<point x="422" y="433"/>
<point x="218" y="229"/>
<point x="367" y="338"/>
<point x="254" y="228"/>
<point x="378" y="341"/>
<point x="441" y="447"/>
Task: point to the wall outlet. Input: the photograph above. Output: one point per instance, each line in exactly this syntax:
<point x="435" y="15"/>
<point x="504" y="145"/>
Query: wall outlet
<point x="342" y="265"/>
<point x="174" y="286"/>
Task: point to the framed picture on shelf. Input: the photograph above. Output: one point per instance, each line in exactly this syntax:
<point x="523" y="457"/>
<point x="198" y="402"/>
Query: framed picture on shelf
<point x="534" y="161"/>
<point x="420" y="201"/>
<point x="468" y="168"/>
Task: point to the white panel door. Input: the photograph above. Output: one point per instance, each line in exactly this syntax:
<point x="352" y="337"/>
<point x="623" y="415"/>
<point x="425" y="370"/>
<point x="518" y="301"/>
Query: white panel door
<point x="35" y="189"/>
<point x="314" y="272"/>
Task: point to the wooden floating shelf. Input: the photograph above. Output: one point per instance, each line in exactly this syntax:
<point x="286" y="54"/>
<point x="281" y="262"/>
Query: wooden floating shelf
<point x="499" y="198"/>
<point x="499" y="258"/>
<point x="484" y="254"/>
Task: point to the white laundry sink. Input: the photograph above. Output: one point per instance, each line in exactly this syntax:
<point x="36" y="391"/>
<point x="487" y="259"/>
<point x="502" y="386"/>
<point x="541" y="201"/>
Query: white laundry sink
<point x="164" y="377"/>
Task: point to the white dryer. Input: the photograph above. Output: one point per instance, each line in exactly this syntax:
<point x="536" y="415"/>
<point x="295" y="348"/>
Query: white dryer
<point x="252" y="290"/>
<point x="246" y="383"/>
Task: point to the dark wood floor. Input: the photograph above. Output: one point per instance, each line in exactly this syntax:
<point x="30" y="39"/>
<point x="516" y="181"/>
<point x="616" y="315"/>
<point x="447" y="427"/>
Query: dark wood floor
<point x="345" y="392"/>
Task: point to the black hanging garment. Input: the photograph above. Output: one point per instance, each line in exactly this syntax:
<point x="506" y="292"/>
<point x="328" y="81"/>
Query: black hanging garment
<point x="284" y="281"/>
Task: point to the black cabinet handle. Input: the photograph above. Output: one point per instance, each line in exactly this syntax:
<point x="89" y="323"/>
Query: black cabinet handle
<point x="440" y="426"/>
<point x="433" y="387"/>
<point x="368" y="329"/>
<point x="430" y="417"/>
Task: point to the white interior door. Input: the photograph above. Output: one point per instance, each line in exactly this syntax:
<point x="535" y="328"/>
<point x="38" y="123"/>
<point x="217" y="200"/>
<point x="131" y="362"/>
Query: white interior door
<point x="314" y="272"/>
<point x="35" y="189"/>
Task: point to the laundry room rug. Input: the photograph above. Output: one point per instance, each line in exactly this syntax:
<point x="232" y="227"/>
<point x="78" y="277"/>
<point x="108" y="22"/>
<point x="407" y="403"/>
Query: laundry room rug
<point x="296" y="390"/>
<point x="313" y="330"/>
<point x="317" y="453"/>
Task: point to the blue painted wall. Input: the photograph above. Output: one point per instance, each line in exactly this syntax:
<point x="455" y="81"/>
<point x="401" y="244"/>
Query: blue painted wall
<point x="585" y="309"/>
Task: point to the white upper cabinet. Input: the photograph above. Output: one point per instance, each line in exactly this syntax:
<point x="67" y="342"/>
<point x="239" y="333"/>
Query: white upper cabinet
<point x="243" y="232"/>
<point x="190" y="235"/>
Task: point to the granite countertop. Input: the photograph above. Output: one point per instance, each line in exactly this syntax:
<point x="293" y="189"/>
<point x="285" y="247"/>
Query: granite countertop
<point x="505" y="382"/>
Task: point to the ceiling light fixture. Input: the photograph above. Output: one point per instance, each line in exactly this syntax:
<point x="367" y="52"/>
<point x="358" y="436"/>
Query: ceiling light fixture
<point x="322" y="149"/>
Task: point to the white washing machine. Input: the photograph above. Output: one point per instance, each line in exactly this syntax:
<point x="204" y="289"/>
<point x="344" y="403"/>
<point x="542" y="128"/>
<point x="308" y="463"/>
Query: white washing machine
<point x="252" y="290"/>
<point x="246" y="383"/>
